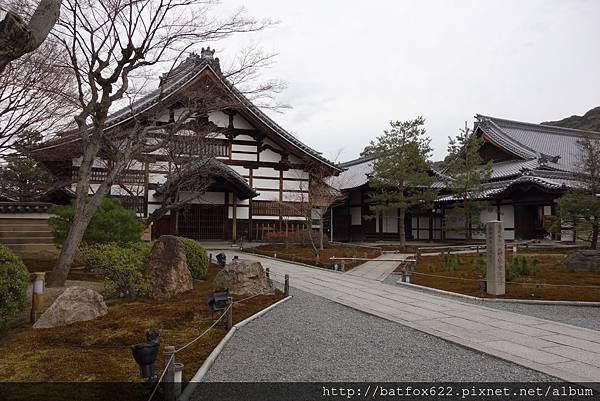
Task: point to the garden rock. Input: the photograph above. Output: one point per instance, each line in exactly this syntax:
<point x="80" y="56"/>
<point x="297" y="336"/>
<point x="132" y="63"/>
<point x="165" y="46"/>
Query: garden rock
<point x="167" y="272"/>
<point x="243" y="277"/>
<point x="75" y="304"/>
<point x="585" y="260"/>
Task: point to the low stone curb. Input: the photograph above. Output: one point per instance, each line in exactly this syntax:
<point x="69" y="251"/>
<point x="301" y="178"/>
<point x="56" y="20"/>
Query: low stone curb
<point x="191" y="386"/>
<point x="293" y="262"/>
<point x="513" y="301"/>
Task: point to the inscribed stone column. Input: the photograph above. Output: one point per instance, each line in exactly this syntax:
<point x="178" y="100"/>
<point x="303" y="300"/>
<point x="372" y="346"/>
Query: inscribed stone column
<point x="495" y="258"/>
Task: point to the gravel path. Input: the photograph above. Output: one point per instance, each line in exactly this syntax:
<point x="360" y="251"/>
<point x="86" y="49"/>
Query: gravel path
<point x="582" y="316"/>
<point x="313" y="339"/>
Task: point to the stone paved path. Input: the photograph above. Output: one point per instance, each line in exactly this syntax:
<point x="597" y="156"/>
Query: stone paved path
<point x="378" y="269"/>
<point x="568" y="352"/>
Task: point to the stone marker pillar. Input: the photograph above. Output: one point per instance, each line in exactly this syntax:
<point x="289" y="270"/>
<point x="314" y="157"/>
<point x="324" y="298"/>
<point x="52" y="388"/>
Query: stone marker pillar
<point x="495" y="258"/>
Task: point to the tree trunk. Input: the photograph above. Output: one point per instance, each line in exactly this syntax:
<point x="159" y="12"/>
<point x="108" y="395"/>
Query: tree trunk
<point x="595" y="229"/>
<point x="402" y="233"/>
<point x="468" y="236"/>
<point x="18" y="38"/>
<point x="81" y="220"/>
<point x="321" y="229"/>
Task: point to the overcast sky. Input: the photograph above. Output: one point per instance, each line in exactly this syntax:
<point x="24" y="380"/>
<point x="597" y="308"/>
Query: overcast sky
<point x="351" y="66"/>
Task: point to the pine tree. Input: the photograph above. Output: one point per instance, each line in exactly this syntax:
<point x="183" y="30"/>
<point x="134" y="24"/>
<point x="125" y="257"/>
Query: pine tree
<point x="467" y="175"/>
<point x="583" y="203"/>
<point x="401" y="178"/>
<point x="23" y="179"/>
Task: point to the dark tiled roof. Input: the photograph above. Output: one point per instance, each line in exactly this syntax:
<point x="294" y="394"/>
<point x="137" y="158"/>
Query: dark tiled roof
<point x="185" y="73"/>
<point x="208" y="168"/>
<point x="553" y="147"/>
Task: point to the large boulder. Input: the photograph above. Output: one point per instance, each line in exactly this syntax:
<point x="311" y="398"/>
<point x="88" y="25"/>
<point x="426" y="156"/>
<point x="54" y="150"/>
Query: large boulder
<point x="584" y="260"/>
<point x="75" y="304"/>
<point x="167" y="271"/>
<point x="243" y="277"/>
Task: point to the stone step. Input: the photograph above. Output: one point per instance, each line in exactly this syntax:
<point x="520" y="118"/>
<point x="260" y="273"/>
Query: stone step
<point x="26" y="240"/>
<point x="16" y="227"/>
<point x="32" y="248"/>
<point x="25" y="234"/>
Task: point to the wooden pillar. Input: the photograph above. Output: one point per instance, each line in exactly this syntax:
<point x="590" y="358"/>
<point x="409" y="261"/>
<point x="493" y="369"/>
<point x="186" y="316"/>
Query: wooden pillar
<point x="234" y="223"/>
<point x="250" y="234"/>
<point x="226" y="216"/>
<point x="430" y="226"/>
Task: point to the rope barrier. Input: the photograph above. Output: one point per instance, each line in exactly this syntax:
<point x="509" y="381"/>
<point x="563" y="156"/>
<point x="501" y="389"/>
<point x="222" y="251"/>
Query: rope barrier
<point x="205" y="331"/>
<point x="161" y="377"/>
<point x="253" y="296"/>
<point x="450" y="277"/>
<point x="510" y="282"/>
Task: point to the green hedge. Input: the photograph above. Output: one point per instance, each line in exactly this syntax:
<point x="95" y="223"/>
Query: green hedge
<point x="14" y="280"/>
<point x="122" y="265"/>
<point x="197" y="258"/>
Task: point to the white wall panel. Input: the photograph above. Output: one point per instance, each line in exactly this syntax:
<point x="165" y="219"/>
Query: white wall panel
<point x="390" y="221"/>
<point x="295" y="173"/>
<point x="240" y="122"/>
<point x="265" y="172"/>
<point x="267" y="155"/>
<point x="243" y="156"/>
<point x="243" y="148"/>
<point x="219" y="118"/>
<point x="295" y="185"/>
<point x="267" y="195"/>
<point x="265" y="183"/>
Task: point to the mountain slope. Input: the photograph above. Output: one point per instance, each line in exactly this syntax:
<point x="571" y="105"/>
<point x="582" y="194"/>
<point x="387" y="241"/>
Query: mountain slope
<point x="589" y="121"/>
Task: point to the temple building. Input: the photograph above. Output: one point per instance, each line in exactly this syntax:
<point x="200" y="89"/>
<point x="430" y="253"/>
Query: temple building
<point x="255" y="168"/>
<point x="533" y="165"/>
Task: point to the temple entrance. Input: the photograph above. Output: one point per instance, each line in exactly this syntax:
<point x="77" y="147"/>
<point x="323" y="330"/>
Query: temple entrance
<point x="529" y="222"/>
<point x="202" y="222"/>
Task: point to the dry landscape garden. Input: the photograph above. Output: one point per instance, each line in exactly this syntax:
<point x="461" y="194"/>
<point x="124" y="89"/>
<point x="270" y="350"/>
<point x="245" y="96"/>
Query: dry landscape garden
<point x="154" y="214"/>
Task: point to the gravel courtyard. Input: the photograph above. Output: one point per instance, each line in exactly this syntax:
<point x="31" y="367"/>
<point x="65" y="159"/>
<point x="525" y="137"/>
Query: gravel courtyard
<point x="310" y="338"/>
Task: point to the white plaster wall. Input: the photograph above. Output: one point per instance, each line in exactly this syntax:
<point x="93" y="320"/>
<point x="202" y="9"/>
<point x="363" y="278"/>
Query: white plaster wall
<point x="265" y="172"/>
<point x="240" y="122"/>
<point x="267" y="155"/>
<point x="268" y="195"/>
<point x="296" y="185"/>
<point x="265" y="183"/>
<point x="244" y="138"/>
<point x="295" y="173"/>
<point x="243" y="213"/>
<point x="243" y="148"/>
<point x="243" y="156"/>
<point x="219" y="118"/>
<point x="295" y="196"/>
<point x="138" y="190"/>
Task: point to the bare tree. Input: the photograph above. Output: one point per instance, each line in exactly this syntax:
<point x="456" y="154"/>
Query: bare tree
<point x="17" y="37"/>
<point x="313" y="200"/>
<point x="34" y="96"/>
<point x="109" y="44"/>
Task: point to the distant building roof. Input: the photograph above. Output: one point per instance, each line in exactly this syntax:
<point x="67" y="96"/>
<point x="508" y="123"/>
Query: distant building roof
<point x="552" y="147"/>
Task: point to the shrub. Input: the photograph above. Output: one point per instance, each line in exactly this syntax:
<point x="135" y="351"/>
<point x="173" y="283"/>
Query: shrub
<point x="122" y="266"/>
<point x="521" y="266"/>
<point x="14" y="280"/>
<point x="449" y="263"/>
<point x="111" y="223"/>
<point x="350" y="252"/>
<point x="480" y="264"/>
<point x="197" y="258"/>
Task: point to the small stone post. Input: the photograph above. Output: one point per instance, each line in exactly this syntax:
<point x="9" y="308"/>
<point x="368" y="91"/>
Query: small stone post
<point x="169" y="379"/>
<point x="496" y="274"/>
<point x="286" y="286"/>
<point x="268" y="273"/>
<point x="229" y="313"/>
<point x="37" y="296"/>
